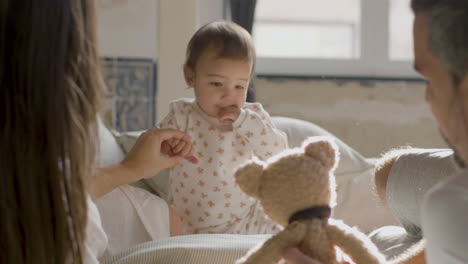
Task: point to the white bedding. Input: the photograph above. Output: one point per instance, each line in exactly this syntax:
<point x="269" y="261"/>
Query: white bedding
<point x="190" y="249"/>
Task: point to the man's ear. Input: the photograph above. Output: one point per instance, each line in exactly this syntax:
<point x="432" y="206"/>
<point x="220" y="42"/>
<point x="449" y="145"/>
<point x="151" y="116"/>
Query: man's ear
<point x="189" y="76"/>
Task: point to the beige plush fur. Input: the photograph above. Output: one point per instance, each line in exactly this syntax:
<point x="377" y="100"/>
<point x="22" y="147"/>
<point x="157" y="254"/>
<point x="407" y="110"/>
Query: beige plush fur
<point x="295" y="180"/>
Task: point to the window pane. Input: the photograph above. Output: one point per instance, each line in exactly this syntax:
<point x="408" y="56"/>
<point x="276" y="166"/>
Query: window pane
<point x="307" y="28"/>
<point x="401" y="24"/>
<point x="304" y="40"/>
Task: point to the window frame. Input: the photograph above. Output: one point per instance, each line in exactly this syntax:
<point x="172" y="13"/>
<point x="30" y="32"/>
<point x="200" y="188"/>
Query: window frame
<point x="374" y="60"/>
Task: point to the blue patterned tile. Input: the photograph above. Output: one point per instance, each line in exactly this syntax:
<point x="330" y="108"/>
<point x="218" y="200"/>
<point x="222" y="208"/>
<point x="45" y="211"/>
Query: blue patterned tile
<point x="131" y="95"/>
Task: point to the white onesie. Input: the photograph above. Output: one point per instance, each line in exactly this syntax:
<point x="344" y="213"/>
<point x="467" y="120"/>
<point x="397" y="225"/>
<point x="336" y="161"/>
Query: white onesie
<point x="205" y="194"/>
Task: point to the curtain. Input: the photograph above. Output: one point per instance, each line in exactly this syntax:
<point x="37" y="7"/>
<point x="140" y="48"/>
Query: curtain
<point x="243" y="13"/>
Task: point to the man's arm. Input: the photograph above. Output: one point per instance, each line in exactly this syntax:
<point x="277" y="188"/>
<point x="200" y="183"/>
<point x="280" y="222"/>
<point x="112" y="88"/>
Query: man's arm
<point x="382" y="172"/>
<point x="414" y="255"/>
<point x="419" y="258"/>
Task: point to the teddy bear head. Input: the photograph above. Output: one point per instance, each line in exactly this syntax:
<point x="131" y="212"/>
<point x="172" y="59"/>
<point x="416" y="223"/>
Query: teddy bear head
<point x="294" y="180"/>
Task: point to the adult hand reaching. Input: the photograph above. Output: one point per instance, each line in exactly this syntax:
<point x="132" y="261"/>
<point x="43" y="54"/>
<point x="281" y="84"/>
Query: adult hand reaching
<point x="150" y="154"/>
<point x="153" y="153"/>
<point x="179" y="147"/>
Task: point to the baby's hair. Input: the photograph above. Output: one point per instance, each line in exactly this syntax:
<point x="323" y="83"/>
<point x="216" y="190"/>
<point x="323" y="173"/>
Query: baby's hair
<point x="228" y="39"/>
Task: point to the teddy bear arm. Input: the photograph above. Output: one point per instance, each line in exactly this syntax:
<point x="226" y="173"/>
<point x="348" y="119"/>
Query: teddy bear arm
<point x="354" y="243"/>
<point x="272" y="250"/>
<point x="268" y="252"/>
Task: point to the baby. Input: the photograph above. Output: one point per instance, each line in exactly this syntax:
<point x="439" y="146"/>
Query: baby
<point x="226" y="132"/>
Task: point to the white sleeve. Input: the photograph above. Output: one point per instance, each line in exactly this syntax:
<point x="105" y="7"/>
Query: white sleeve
<point x="131" y="216"/>
<point x="412" y="176"/>
<point x="170" y="121"/>
<point x="444" y="220"/>
<point x="256" y="127"/>
<point x="96" y="239"/>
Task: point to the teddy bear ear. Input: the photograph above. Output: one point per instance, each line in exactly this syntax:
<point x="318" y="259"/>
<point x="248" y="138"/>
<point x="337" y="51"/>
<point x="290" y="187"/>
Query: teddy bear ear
<point x="323" y="149"/>
<point x="248" y="177"/>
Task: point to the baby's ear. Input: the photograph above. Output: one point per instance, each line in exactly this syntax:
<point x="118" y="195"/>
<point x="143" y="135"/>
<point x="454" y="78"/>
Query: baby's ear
<point x="248" y="177"/>
<point x="322" y="149"/>
<point x="189" y="75"/>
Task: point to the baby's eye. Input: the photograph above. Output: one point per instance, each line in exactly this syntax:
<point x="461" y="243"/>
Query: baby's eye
<point x="216" y="84"/>
<point x="239" y="87"/>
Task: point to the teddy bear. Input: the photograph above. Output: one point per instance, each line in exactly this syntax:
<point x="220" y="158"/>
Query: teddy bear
<point x="296" y="190"/>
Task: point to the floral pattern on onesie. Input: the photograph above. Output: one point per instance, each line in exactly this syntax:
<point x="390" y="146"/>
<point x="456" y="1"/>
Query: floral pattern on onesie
<point x="205" y="194"/>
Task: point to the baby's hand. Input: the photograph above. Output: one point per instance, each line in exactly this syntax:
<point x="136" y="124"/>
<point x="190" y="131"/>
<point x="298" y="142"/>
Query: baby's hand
<point x="229" y="114"/>
<point x="179" y="147"/>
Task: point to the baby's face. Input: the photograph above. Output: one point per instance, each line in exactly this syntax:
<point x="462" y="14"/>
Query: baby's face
<point x="219" y="82"/>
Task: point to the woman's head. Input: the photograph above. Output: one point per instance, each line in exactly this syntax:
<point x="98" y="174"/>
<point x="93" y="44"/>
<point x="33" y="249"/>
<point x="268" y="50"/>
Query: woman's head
<point x="51" y="89"/>
<point x="219" y="64"/>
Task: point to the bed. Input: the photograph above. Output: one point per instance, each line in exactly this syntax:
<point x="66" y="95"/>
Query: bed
<point x="356" y="205"/>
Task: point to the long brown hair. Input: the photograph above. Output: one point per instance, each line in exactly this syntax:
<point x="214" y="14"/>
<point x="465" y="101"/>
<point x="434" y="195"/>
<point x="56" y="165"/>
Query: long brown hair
<point x="50" y="91"/>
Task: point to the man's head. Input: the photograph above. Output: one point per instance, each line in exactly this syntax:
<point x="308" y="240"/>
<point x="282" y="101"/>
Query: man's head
<point x="441" y="56"/>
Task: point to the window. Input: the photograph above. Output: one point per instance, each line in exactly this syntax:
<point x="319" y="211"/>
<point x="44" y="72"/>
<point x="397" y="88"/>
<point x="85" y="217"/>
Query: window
<point x="305" y="31"/>
<point x="401" y="36"/>
<point x="350" y="38"/>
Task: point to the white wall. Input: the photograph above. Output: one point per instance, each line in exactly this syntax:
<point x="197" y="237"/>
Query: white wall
<point x="371" y="116"/>
<point x="209" y="11"/>
<point x="178" y="21"/>
<point x="128" y="28"/>
<point x="156" y="29"/>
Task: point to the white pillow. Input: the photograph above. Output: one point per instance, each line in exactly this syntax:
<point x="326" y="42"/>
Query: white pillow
<point x="112" y="149"/>
<point x="298" y="130"/>
<point x="109" y="151"/>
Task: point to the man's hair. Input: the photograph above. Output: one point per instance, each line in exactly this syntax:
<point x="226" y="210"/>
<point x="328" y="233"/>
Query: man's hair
<point x="448" y="32"/>
<point x="227" y="39"/>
